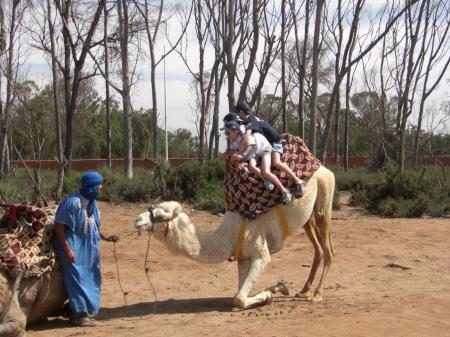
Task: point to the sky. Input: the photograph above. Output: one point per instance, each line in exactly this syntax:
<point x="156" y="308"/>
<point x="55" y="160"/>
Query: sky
<point x="179" y="100"/>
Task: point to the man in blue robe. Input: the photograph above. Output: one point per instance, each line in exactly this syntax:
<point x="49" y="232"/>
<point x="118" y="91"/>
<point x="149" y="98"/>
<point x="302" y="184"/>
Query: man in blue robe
<point x="77" y="228"/>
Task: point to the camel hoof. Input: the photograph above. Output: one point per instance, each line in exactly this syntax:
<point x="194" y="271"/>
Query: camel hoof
<point x="239" y="303"/>
<point x="316" y="298"/>
<point x="304" y="294"/>
<point x="283" y="289"/>
<point x="269" y="298"/>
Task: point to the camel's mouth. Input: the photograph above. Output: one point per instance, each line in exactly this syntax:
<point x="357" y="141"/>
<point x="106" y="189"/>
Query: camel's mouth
<point x="143" y="222"/>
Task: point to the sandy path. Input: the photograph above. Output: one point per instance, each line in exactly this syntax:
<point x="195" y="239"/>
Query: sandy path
<point x="366" y="294"/>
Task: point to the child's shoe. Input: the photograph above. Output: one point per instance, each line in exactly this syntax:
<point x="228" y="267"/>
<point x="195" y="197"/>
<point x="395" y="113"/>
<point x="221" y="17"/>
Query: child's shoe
<point x="269" y="185"/>
<point x="287" y="196"/>
<point x="299" y="189"/>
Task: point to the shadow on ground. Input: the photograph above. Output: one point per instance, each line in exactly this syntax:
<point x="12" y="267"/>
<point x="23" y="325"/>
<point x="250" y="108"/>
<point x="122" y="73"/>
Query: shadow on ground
<point x="170" y="306"/>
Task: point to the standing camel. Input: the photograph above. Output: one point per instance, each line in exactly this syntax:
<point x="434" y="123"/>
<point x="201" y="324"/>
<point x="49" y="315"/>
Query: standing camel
<point x="263" y="237"/>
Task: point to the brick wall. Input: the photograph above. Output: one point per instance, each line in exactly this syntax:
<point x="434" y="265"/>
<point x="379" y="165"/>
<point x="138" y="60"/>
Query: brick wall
<point x="95" y="164"/>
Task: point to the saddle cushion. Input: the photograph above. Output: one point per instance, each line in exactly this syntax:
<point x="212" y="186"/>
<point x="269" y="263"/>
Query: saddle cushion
<point x="245" y="192"/>
<point x="26" y="240"/>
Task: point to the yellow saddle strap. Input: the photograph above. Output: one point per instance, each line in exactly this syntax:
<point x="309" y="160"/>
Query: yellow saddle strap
<point x="237" y="249"/>
<point x="240" y="240"/>
<point x="282" y="218"/>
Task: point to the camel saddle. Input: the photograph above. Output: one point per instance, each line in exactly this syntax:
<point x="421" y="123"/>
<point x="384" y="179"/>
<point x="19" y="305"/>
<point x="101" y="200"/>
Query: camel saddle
<point x="245" y="192"/>
<point x="26" y="240"/>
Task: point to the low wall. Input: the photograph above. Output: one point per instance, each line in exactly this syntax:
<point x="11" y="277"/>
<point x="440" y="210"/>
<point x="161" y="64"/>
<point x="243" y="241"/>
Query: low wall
<point x="95" y="164"/>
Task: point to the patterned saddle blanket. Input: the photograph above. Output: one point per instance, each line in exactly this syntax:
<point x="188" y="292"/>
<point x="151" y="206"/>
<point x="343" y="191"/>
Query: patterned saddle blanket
<point x="245" y="192"/>
<point x="26" y="240"/>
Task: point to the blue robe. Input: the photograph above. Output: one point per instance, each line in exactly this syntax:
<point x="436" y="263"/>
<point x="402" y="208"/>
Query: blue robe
<point x="82" y="279"/>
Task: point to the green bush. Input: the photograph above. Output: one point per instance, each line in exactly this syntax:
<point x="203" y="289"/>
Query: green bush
<point x="209" y="197"/>
<point x="403" y="195"/>
<point x="18" y="187"/>
<point x="189" y="177"/>
<point x="387" y="193"/>
<point x="336" y="203"/>
<point x="402" y="208"/>
<point x="355" y="179"/>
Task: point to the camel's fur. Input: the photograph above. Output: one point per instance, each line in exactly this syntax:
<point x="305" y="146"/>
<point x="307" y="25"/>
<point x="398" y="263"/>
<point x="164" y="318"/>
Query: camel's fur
<point x="263" y="237"/>
<point x="35" y="299"/>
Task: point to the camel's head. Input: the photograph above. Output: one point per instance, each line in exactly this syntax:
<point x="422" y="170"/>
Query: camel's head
<point x="157" y="216"/>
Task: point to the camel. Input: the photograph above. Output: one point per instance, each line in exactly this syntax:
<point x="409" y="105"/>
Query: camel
<point x="264" y="236"/>
<point x="28" y="300"/>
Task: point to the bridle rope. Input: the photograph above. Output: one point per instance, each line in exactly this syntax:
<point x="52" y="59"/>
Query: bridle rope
<point x="147" y="269"/>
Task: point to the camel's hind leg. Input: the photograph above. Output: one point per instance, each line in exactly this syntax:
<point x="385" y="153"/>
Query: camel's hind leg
<point x="310" y="230"/>
<point x="323" y="233"/>
<point x="318" y="231"/>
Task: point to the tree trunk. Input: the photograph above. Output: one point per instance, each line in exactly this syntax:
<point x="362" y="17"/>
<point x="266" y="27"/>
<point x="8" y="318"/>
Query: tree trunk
<point x="59" y="146"/>
<point x="404" y="102"/>
<point x="71" y="87"/>
<point x="302" y="73"/>
<point x="214" y="133"/>
<point x="4" y="163"/>
<point x="107" y="94"/>
<point x="283" y="64"/>
<point x="315" y="77"/>
<point x="346" y="122"/>
<point x="336" y="131"/>
<point x="228" y="47"/>
<point x="67" y="84"/>
<point x="2" y="111"/>
<point x="128" y="132"/>
<point x="154" y="104"/>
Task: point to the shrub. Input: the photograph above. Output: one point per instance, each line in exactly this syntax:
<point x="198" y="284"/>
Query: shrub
<point x="190" y="176"/>
<point x="355" y="179"/>
<point x="403" y="195"/>
<point x="209" y="197"/>
<point x="336" y="203"/>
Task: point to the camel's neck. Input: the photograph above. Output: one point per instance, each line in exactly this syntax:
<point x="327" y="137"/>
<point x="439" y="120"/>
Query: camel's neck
<point x="183" y="238"/>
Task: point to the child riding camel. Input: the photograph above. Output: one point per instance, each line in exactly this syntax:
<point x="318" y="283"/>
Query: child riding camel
<point x="254" y="125"/>
<point x="256" y="148"/>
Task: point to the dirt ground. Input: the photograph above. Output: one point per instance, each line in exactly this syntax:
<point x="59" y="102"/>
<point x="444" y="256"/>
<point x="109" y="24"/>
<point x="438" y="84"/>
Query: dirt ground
<point x="368" y="293"/>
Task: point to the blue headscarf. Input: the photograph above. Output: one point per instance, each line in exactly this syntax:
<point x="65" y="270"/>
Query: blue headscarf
<point x="90" y="183"/>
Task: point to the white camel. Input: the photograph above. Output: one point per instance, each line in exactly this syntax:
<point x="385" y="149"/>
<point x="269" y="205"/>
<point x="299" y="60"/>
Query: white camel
<point x="263" y="237"/>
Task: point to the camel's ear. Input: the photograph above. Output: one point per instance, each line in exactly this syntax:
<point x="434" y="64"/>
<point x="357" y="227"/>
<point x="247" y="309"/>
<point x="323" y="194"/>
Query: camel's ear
<point x="178" y="209"/>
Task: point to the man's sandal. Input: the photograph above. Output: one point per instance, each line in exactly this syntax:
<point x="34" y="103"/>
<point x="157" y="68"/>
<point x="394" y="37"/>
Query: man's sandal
<point x="84" y="322"/>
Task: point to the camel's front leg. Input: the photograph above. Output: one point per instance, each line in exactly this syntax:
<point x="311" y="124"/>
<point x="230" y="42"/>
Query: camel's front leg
<point x="243" y="267"/>
<point x="13" y="321"/>
<point x="257" y="266"/>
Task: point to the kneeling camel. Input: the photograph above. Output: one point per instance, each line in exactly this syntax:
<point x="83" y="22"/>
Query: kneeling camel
<point x="263" y="237"/>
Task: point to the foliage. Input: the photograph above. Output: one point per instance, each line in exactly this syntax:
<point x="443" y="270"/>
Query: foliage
<point x="90" y="133"/>
<point x="18" y="187"/>
<point x="209" y="197"/>
<point x="403" y="195"/>
<point x="189" y="175"/>
<point x="336" y="203"/>
<point x="355" y="179"/>
<point x="387" y="193"/>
